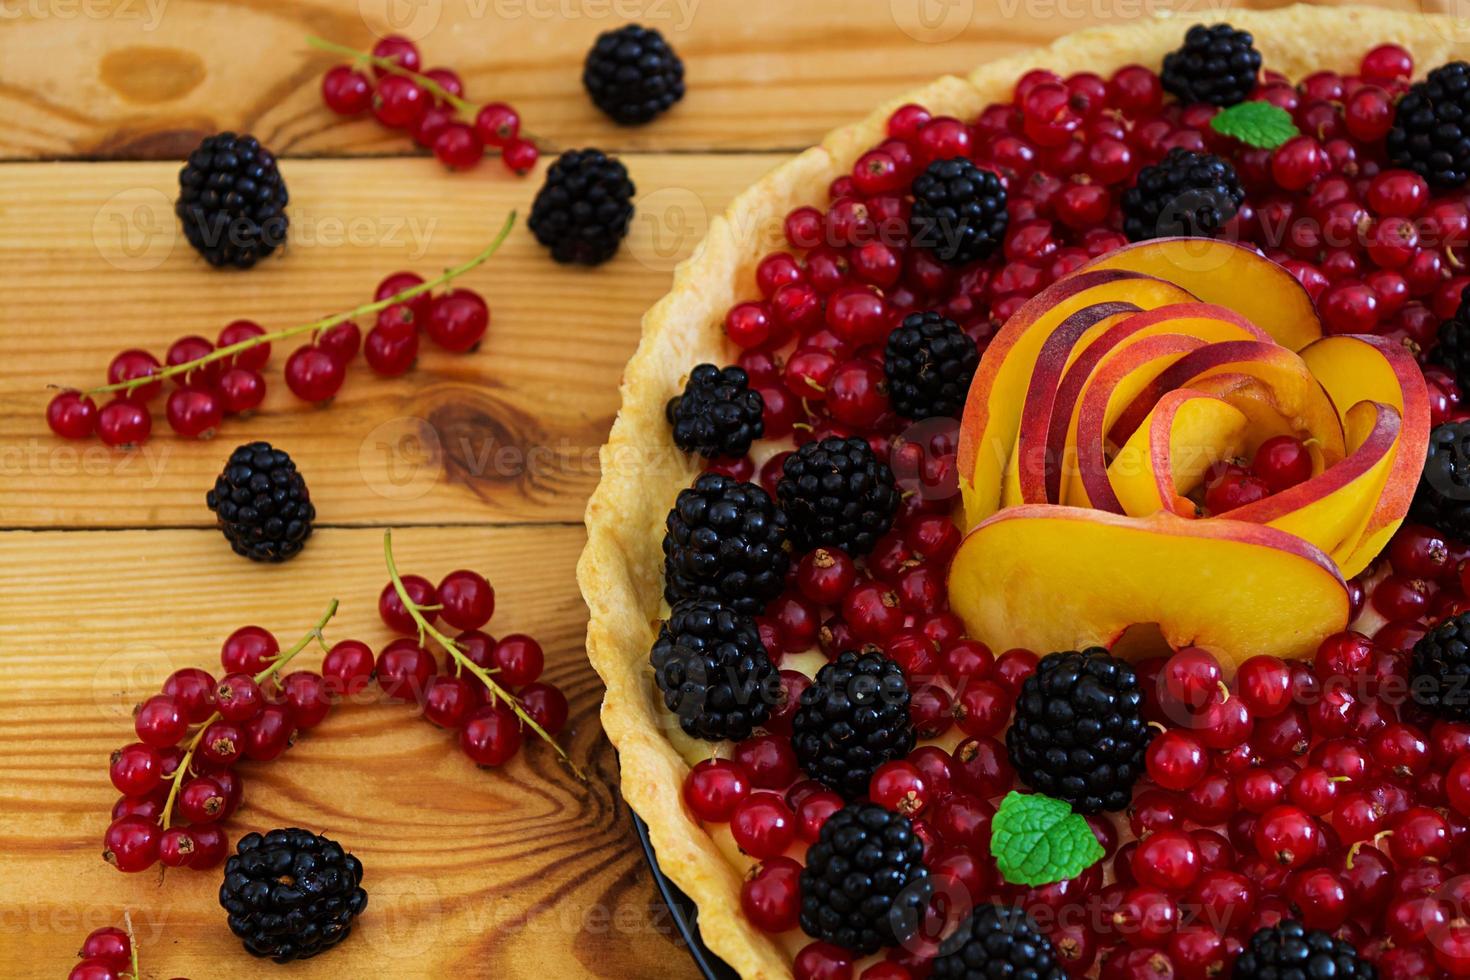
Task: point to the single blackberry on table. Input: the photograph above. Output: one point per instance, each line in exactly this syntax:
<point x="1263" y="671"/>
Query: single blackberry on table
<point x="1078" y="733"/>
<point x="1290" y="951"/>
<point x="633" y="75"/>
<point x="853" y="718"/>
<point x="1431" y="127"/>
<point x="1439" y="673"/>
<point x="865" y="885"/>
<point x="582" y="211"/>
<point x="1442" y="498"/>
<point x="262" y="504"/>
<point x="959" y="211"/>
<point x="1186" y="193"/>
<point x="291" y="893"/>
<point x="713" y="670"/>
<point x="718" y="414"/>
<point x="726" y="541"/>
<point x="837" y="494"/>
<point x="232" y="201"/>
<point x="1453" y="348"/>
<point x="1217" y="65"/>
<point x="929" y="362"/>
<point x="997" y="941"/>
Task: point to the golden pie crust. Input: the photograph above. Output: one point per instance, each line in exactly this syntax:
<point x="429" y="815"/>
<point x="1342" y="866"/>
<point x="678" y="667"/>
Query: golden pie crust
<point x="621" y="569"/>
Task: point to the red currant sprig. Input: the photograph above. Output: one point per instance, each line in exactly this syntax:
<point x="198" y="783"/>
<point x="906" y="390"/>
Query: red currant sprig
<point x="416" y="611"/>
<point x="427" y="104"/>
<point x="109" y="953"/>
<point x="271" y="670"/>
<point x="214" y="380"/>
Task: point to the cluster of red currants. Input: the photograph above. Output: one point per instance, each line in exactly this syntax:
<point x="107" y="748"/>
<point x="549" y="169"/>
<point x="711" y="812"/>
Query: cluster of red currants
<point x="251" y="712"/>
<point x="108" y="953"/>
<point x="212" y="380"/>
<point x="426" y="104"/>
<point x="493" y="686"/>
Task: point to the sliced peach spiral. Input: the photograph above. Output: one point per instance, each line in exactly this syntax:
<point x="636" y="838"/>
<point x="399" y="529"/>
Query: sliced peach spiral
<point x="1096" y="413"/>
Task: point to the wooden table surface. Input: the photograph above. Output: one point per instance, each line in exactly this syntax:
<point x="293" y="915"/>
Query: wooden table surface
<point x="112" y="573"/>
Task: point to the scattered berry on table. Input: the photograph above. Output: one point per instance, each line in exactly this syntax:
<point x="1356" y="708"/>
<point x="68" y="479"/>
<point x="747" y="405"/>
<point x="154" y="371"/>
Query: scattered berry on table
<point x="865" y="885"/>
<point x="929" y="363"/>
<point x="715" y="674"/>
<point x="1187" y="193"/>
<point x="836" y="493"/>
<point x="853" y="718"/>
<point x="1079" y="734"/>
<point x="633" y="75"/>
<point x="718" y="414"/>
<point x="262" y="504"/>
<point x="584" y="208"/>
<point x="232" y="201"/>
<point x="959" y="212"/>
<point x="291" y="894"/>
<point x="725" y="540"/>
<point x="1216" y="65"/>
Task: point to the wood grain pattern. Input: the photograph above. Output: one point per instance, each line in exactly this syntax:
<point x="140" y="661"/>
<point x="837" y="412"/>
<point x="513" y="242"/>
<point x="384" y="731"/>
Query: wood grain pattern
<point x="146" y="78"/>
<point x="519" y="872"/>
<point x="508" y="433"/>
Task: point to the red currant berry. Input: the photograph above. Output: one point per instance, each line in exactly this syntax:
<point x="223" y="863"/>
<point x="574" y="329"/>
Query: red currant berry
<point x="497" y="124"/>
<point x="124" y="423"/>
<point x="194" y="413"/>
<point x="520" y="155"/>
<point x="72" y="415"/>
<point x="449" y="700"/>
<point x="160" y="722"/>
<point x="313" y="375"/>
<point x="546" y="706"/>
<point x="713" y="789"/>
<point x="109" y="944"/>
<point x="421" y="593"/>
<point x="399" y="49"/>
<point x="243" y="331"/>
<point x="458" y="320"/>
<point x="398" y="102"/>
<point x="241" y="390"/>
<point x="131" y="844"/>
<point x="346" y="91"/>
<point x="771" y="895"/>
<point x="468" y="600"/>
<point x="404" y="669"/>
<point x="519" y="660"/>
<point x="491" y="736"/>
<point x="763" y="825"/>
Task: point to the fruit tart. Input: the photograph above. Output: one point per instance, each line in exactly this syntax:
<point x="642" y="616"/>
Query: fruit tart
<point x="1032" y="540"/>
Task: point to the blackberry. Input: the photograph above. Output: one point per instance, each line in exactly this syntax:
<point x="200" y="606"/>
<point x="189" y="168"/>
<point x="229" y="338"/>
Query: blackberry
<point x="1217" y="65"/>
<point x="1453" y="348"/>
<point x="1442" y="498"/>
<point x="291" y="893"/>
<point x="714" y="671"/>
<point x="262" y="504"/>
<point x="718" y="414"/>
<point x="865" y="885"/>
<point x="837" y="494"/>
<point x="1429" y="133"/>
<point x="1186" y="193"/>
<point x="929" y="362"/>
<point x="725" y="541"/>
<point x="959" y="211"/>
<point x="582" y="211"/>
<point x="232" y="201"/>
<point x="853" y="718"/>
<point x="1440" y="670"/>
<point x="1079" y="733"/>
<point x="997" y="941"/>
<point x="633" y="75"/>
<point x="1290" y="951"/>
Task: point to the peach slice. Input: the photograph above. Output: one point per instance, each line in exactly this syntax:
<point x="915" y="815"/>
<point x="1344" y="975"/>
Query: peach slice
<point x="1045" y="420"/>
<point x="993" y="407"/>
<point x="1113" y="386"/>
<point x="1168" y="454"/>
<point x="1331" y="509"/>
<point x="1231" y="275"/>
<point x="1056" y="578"/>
<point x="1353" y="367"/>
<point x="1297" y="394"/>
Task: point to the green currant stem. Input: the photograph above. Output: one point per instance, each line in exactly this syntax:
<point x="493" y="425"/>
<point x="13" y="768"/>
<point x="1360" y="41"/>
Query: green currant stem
<point x="277" y="662"/>
<point x="132" y="943"/>
<point x="463" y="661"/>
<point x="392" y="66"/>
<point x="325" y="323"/>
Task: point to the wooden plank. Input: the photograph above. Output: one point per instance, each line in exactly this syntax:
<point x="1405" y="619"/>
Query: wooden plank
<point x="146" y="78"/>
<point x="521" y="872"/>
<point x="508" y="433"/>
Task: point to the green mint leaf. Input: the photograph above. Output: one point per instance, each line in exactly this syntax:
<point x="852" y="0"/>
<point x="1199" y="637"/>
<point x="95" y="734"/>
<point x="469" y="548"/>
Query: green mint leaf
<point x="1258" y="124"/>
<point x="1037" y="840"/>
